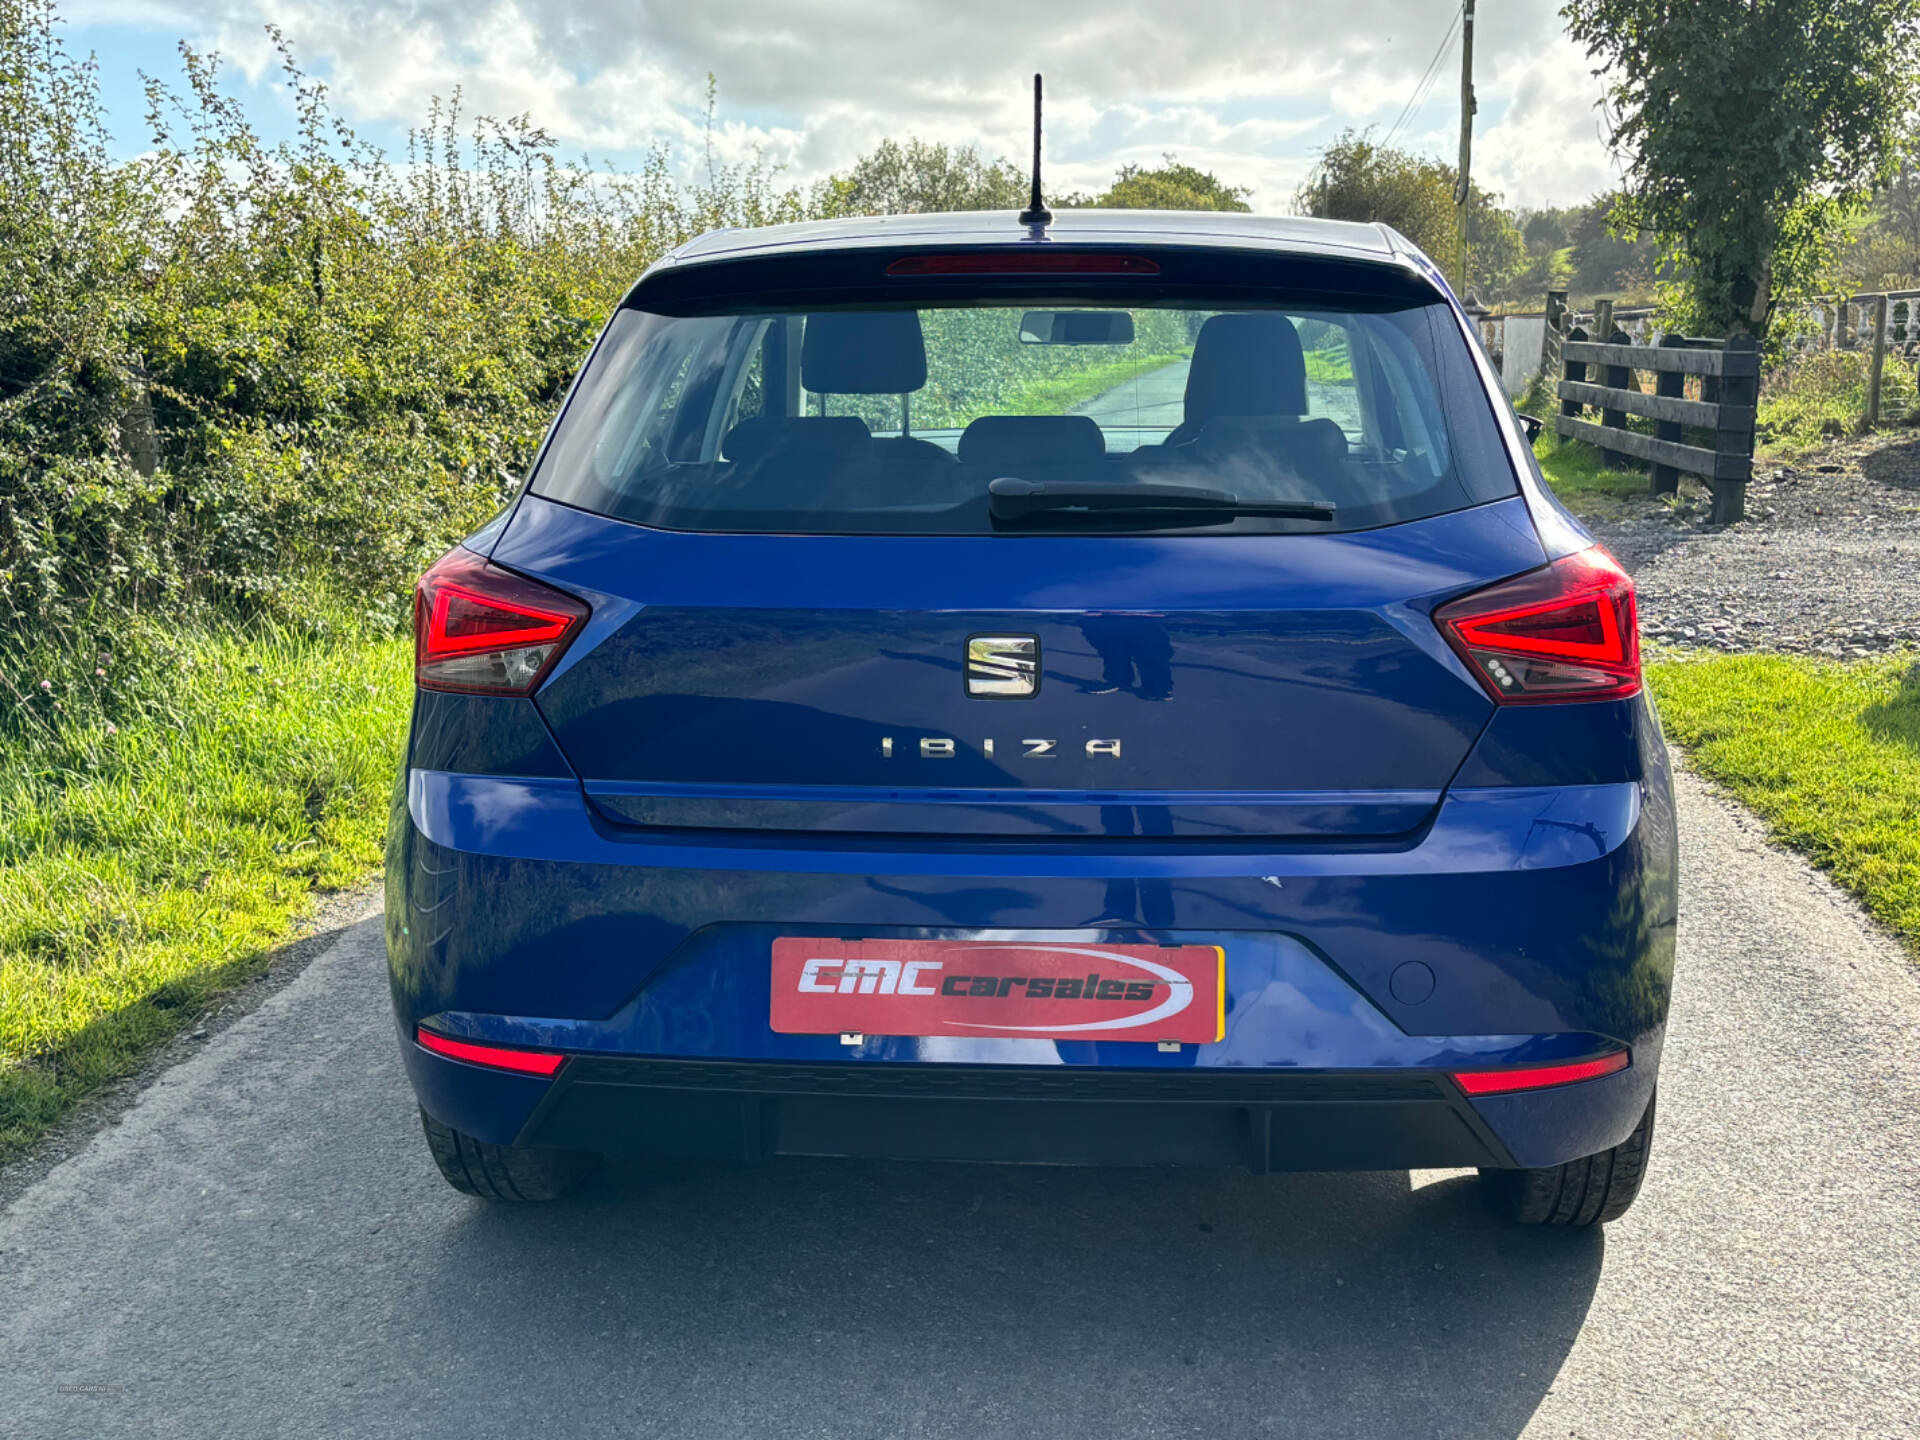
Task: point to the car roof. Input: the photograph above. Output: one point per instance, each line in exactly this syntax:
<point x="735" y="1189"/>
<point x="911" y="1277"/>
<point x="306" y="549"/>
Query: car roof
<point x="1283" y="233"/>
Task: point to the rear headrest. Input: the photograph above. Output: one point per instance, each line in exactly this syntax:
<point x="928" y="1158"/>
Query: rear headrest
<point x="863" y="352"/>
<point x="808" y="436"/>
<point x="1009" y="442"/>
<point x="1247" y="364"/>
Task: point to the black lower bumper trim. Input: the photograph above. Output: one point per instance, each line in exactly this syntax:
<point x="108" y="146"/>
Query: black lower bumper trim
<point x="1267" y="1120"/>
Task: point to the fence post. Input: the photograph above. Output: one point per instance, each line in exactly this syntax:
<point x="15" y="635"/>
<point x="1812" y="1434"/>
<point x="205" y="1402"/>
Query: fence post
<point x="1878" y="364"/>
<point x="1739" y="390"/>
<point x="139" y="437"/>
<point x="1603" y="320"/>
<point x="1618" y="377"/>
<point x="1673" y="385"/>
<point x="1575" y="370"/>
<point x="1556" y="332"/>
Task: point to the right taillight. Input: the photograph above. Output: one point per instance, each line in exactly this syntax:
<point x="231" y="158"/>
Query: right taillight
<point x="1565" y="632"/>
<point x="481" y="630"/>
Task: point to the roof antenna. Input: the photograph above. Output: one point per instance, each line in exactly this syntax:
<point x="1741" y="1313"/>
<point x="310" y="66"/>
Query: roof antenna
<point x="1036" y="212"/>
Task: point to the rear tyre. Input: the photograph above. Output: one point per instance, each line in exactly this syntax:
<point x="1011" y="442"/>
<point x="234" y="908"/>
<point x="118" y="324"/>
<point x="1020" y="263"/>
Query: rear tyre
<point x="1588" y="1191"/>
<point x="503" y="1172"/>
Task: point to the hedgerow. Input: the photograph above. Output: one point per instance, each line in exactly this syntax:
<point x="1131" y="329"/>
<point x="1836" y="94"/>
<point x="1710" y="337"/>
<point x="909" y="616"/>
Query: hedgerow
<point x="234" y="374"/>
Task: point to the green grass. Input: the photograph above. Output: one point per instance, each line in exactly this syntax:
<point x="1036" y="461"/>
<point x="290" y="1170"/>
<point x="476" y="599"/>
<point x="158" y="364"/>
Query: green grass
<point x="1827" y="753"/>
<point x="1060" y="394"/>
<point x="1583" y="483"/>
<point x="1330" y="367"/>
<point x="143" y="871"/>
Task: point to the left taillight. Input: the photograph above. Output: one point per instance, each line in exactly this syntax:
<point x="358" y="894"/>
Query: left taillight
<point x="1565" y="632"/>
<point x="496" y="1057"/>
<point x="481" y="630"/>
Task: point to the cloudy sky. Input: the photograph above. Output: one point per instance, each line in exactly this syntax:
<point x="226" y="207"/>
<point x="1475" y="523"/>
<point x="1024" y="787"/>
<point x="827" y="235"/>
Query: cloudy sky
<point x="1250" y="90"/>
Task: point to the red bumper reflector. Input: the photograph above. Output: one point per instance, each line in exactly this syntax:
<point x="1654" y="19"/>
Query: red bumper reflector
<point x="527" y="1062"/>
<point x="1539" y="1077"/>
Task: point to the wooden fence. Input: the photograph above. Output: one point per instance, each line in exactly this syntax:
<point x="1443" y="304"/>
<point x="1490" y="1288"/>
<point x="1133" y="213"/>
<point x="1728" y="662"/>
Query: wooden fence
<point x="1885" y="326"/>
<point x="1729" y="382"/>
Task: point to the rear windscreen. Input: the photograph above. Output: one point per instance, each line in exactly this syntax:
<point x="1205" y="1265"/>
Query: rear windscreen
<point x="896" y="420"/>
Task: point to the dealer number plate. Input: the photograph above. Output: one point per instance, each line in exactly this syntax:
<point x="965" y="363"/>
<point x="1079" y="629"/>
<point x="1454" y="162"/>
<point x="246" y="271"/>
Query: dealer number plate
<point x="1066" y="991"/>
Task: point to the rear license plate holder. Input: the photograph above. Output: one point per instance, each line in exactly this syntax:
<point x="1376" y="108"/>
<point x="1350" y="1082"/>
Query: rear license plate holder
<point x="1048" y="990"/>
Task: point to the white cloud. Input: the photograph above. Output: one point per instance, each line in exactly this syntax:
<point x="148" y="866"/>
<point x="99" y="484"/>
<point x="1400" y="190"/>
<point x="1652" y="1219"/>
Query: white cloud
<point x="1548" y="146"/>
<point x="1249" y="88"/>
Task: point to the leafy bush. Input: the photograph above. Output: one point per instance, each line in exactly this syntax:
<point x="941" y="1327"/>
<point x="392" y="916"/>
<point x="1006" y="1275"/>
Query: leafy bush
<point x="230" y="373"/>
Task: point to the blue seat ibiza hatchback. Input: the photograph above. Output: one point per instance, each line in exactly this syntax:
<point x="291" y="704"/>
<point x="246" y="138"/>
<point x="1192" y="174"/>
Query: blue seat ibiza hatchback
<point x="1115" y="692"/>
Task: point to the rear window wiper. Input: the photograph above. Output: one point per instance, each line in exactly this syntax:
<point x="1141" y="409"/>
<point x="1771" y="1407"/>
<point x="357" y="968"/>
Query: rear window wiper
<point x="1011" y="498"/>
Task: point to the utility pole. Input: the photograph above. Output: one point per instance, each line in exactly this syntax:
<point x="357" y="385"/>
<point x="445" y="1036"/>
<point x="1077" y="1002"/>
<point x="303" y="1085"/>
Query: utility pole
<point x="1463" y="187"/>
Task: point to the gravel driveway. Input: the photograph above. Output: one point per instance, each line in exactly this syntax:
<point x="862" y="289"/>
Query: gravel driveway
<point x="260" y="1246"/>
<point x="1828" y="560"/>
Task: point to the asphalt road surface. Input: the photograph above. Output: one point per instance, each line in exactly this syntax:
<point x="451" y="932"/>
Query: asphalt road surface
<point x="1155" y="400"/>
<point x="260" y="1246"/>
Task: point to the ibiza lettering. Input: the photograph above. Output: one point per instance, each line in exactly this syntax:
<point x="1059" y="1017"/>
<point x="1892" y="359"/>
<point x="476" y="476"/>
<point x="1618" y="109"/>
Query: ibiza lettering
<point x="945" y="747"/>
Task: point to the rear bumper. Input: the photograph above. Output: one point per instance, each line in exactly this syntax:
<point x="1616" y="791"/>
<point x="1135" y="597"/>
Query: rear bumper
<point x="1262" y="1120"/>
<point x="1540" y="923"/>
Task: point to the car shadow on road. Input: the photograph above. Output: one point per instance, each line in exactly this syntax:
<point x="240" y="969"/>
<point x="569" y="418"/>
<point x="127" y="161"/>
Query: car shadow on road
<point x="908" y="1299"/>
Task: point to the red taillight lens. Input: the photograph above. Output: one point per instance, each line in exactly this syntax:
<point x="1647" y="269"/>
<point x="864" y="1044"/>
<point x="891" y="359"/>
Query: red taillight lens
<point x="527" y="1062"/>
<point x="1025" y="262"/>
<point x="1565" y="632"/>
<point x="482" y="630"/>
<point x="1539" y="1077"/>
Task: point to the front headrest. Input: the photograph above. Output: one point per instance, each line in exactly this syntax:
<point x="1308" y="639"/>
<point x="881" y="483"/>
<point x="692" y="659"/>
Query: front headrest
<point x="1247" y="364"/>
<point x="795" y="435"/>
<point x="863" y="352"/>
<point x="1008" y="442"/>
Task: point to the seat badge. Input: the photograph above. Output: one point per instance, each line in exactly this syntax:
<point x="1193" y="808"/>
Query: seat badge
<point x="1003" y="667"/>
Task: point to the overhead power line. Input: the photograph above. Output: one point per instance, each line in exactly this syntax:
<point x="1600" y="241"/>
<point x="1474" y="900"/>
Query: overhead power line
<point x="1424" y="85"/>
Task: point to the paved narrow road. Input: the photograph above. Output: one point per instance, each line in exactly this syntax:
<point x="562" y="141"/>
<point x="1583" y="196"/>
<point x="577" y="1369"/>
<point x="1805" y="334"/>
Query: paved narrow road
<point x="1157" y="400"/>
<point x="261" y="1248"/>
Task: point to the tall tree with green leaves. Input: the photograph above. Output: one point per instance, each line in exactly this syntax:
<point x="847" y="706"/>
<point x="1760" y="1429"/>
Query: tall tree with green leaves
<point x="1359" y="179"/>
<point x="1170" y="186"/>
<point x="1750" y="128"/>
<point x="921" y="177"/>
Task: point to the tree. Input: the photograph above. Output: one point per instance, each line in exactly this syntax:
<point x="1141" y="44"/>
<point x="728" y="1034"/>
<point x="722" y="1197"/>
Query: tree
<point x="921" y="178"/>
<point x="1886" y="252"/>
<point x="1750" y="129"/>
<point x="1357" y="179"/>
<point x="1171" y="186"/>
<point x="1544" y="230"/>
<point x="1605" y="260"/>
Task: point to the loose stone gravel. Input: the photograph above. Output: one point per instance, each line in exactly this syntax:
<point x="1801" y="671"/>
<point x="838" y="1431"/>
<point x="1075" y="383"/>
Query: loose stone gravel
<point x="1826" y="562"/>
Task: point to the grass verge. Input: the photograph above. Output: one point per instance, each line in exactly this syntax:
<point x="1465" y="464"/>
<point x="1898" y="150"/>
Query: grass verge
<point x="1583" y="483"/>
<point x="1827" y="753"/>
<point x="144" y="870"/>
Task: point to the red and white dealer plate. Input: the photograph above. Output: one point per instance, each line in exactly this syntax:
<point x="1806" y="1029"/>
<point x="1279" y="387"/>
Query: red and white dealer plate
<point x="1066" y="991"/>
